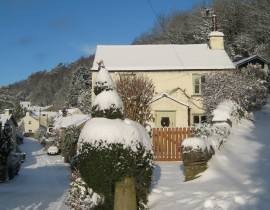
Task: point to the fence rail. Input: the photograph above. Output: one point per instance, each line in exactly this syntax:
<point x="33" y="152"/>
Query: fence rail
<point x="167" y="143"/>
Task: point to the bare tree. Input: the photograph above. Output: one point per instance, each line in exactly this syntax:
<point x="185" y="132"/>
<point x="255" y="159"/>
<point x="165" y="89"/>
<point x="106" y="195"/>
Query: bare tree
<point x="136" y="91"/>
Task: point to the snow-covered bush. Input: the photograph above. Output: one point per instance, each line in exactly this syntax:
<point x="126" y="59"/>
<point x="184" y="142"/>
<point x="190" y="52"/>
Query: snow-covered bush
<point x="136" y="91"/>
<point x="53" y="150"/>
<point x="103" y="81"/>
<point x="246" y="87"/>
<point x="108" y="104"/>
<point x="81" y="197"/>
<point x="69" y="142"/>
<point x="110" y="148"/>
<point x="196" y="149"/>
<point x="228" y="111"/>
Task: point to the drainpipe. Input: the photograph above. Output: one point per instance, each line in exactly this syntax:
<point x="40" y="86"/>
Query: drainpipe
<point x="188" y="116"/>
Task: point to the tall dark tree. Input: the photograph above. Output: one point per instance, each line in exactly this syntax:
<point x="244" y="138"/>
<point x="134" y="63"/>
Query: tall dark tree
<point x="80" y="90"/>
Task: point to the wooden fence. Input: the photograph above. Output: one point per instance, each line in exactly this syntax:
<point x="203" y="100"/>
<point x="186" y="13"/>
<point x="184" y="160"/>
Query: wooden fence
<point x="167" y="143"/>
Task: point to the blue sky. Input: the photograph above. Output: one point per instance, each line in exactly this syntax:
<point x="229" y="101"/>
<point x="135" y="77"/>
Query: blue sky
<point x="38" y="34"/>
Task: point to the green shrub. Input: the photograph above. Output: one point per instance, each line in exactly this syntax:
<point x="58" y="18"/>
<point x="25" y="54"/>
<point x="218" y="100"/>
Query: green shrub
<point x="101" y="165"/>
<point x="111" y="113"/>
<point x="69" y="142"/>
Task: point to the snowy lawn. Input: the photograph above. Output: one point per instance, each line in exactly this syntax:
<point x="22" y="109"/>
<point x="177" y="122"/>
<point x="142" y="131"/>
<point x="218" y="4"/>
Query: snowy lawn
<point x="42" y="182"/>
<point x="238" y="176"/>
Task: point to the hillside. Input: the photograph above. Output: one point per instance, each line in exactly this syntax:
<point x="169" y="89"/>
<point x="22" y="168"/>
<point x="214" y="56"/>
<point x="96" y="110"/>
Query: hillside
<point x="43" y="87"/>
<point x="246" y="25"/>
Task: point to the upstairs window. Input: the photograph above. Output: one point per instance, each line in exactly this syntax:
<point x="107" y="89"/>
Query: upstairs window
<point x="197" y="83"/>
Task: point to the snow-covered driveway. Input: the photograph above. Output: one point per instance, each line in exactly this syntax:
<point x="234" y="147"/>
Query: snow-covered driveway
<point x="42" y="182"/>
<point x="238" y="177"/>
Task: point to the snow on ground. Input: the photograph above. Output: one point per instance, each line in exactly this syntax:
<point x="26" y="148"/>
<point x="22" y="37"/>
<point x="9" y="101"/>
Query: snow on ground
<point x="42" y="182"/>
<point x="238" y="177"/>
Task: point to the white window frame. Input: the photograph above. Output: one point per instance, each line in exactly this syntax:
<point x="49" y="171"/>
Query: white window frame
<point x="197" y="77"/>
<point x="200" y="118"/>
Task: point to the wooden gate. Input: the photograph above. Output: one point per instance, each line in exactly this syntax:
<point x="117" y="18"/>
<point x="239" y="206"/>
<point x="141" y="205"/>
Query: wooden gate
<point x="167" y="143"/>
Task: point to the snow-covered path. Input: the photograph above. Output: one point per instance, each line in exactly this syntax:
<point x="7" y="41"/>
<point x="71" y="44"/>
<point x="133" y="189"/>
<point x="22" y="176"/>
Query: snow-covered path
<point x="42" y="182"/>
<point x="238" y="177"/>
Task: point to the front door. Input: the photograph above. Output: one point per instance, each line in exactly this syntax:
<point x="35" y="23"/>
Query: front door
<point x="165" y="119"/>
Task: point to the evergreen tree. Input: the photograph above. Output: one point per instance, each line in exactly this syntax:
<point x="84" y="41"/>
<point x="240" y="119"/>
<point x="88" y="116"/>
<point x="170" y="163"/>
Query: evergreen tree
<point x="18" y="112"/>
<point x="80" y="90"/>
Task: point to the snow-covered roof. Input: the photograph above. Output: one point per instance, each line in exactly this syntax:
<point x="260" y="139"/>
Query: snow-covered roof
<point x="48" y="113"/>
<point x="166" y="95"/>
<point x="70" y="120"/>
<point x="249" y="59"/>
<point x="161" y="57"/>
<point x="39" y="108"/>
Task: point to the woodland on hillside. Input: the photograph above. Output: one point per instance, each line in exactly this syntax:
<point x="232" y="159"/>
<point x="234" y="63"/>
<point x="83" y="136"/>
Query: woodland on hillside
<point x="245" y="23"/>
<point x="45" y="87"/>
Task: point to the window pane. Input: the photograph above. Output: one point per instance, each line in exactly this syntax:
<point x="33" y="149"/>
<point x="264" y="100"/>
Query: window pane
<point x="203" y="119"/>
<point x="197" y="81"/>
<point x="203" y="79"/>
<point x="165" y="122"/>
<point x="197" y="89"/>
<point x="196" y="119"/>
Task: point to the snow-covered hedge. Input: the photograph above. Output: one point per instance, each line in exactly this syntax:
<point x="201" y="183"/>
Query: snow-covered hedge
<point x="225" y="115"/>
<point x="69" y="143"/>
<point x="228" y="111"/>
<point x="247" y="87"/>
<point x="195" y="144"/>
<point x="126" y="132"/>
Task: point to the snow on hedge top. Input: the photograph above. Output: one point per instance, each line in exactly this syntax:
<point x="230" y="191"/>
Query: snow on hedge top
<point x="126" y="131"/>
<point x="224" y="111"/>
<point x="104" y="79"/>
<point x="108" y="99"/>
<point x="195" y="143"/>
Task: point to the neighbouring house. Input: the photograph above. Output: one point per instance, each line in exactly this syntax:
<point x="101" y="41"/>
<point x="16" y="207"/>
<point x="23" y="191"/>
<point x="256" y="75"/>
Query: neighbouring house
<point x="45" y="117"/>
<point x="177" y="71"/>
<point x="74" y="117"/>
<point x="255" y="59"/>
<point x="30" y="123"/>
<point x="25" y="104"/>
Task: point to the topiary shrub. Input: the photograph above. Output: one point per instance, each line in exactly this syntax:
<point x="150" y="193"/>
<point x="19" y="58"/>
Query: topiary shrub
<point x="69" y="143"/>
<point x="112" y="149"/>
<point x="102" y="164"/>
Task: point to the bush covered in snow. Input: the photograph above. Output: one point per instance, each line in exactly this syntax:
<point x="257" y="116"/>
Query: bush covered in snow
<point x="104" y="164"/>
<point x="69" y="142"/>
<point x="111" y="148"/>
<point x="108" y="104"/>
<point x="196" y="149"/>
<point x="53" y="150"/>
<point x="81" y="197"/>
<point x="246" y="87"/>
